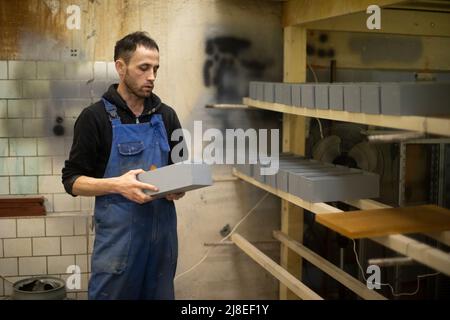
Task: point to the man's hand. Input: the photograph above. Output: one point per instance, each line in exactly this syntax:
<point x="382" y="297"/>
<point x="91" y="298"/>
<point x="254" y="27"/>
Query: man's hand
<point x="175" y="196"/>
<point x="129" y="187"/>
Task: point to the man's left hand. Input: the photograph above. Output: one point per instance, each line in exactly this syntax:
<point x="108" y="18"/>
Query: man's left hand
<point x="175" y="196"/>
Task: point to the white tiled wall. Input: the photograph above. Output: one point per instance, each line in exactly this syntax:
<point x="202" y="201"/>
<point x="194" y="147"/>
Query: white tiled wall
<point x="45" y="246"/>
<point x="32" y="95"/>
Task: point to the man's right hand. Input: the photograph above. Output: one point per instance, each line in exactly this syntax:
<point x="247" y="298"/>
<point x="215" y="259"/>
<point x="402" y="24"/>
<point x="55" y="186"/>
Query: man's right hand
<point x="132" y="189"/>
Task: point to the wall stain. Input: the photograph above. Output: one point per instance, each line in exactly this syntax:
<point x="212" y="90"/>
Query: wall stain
<point x="227" y="69"/>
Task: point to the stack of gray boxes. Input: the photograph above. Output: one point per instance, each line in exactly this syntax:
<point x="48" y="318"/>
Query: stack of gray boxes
<point x="316" y="181"/>
<point x="389" y="98"/>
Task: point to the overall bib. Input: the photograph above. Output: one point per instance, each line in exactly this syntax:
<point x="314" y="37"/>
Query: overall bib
<point x="136" y="247"/>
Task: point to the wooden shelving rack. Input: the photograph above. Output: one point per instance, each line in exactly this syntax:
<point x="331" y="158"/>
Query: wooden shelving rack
<point x="341" y="15"/>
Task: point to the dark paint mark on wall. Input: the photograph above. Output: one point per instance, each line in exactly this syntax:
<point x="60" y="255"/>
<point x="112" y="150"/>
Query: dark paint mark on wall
<point x="229" y="68"/>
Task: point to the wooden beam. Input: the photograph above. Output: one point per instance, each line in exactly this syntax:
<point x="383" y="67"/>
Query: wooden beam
<point x="340" y="275"/>
<point x="296" y="12"/>
<point x="294" y="128"/>
<point x="404" y="22"/>
<point x="439" y="126"/>
<point x="276" y="270"/>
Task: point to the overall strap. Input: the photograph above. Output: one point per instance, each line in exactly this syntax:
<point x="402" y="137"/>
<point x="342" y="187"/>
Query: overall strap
<point x="112" y="112"/>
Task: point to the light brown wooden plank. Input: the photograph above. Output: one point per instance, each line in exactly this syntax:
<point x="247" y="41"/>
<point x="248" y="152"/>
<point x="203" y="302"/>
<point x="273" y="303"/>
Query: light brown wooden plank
<point x="297" y="12"/>
<point x="440" y="126"/>
<point x="276" y="270"/>
<point x="340" y="275"/>
<point x="383" y="222"/>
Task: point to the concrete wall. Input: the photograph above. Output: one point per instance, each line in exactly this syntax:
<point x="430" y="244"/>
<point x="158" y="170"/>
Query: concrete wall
<point x="209" y="52"/>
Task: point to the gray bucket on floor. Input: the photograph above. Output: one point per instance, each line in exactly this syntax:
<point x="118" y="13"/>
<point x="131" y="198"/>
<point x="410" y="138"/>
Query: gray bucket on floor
<point x="39" y="288"/>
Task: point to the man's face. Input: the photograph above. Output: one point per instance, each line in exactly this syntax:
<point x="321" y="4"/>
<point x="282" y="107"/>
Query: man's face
<point x="140" y="72"/>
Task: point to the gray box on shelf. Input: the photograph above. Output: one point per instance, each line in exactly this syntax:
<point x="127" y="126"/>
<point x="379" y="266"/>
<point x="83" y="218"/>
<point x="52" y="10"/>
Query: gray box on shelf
<point x="296" y="95"/>
<point x="252" y="90"/>
<point x="295" y="177"/>
<point x="336" y="92"/>
<point x="352" y="97"/>
<point x="260" y="91"/>
<point x="269" y="91"/>
<point x="415" y="98"/>
<point x="283" y="173"/>
<point x="283" y="93"/>
<point x="322" y="96"/>
<point x="370" y="98"/>
<point x="327" y="188"/>
<point x="308" y="95"/>
<point x="177" y="178"/>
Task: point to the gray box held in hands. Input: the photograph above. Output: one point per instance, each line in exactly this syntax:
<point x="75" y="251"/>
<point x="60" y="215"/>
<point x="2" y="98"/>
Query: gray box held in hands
<point x="177" y="178"/>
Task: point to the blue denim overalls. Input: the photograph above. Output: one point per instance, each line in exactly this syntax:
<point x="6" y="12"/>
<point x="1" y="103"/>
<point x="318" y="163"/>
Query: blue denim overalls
<point x="136" y="247"/>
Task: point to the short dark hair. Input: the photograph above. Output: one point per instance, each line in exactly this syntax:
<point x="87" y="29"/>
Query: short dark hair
<point x="127" y="45"/>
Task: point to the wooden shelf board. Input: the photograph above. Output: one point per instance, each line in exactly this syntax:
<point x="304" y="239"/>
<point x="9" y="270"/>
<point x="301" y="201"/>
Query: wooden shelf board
<point x="383" y="222"/>
<point x="439" y="126"/>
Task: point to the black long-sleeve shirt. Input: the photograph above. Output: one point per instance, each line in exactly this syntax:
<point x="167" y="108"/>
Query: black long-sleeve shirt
<point x="92" y="136"/>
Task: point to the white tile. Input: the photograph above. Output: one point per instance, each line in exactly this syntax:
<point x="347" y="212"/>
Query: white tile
<point x="4" y="185"/>
<point x="3" y="69"/>
<point x="31" y="227"/>
<point x="38" y="165"/>
<point x="22" y="147"/>
<point x="1" y="248"/>
<point x="65" y="202"/>
<point x="73" y="245"/>
<point x="100" y="70"/>
<point x="8" y="267"/>
<point x="51" y="146"/>
<point x="23" y="185"/>
<point x="32" y="266"/>
<point x="21" y="70"/>
<point x="7" y="228"/>
<point x="47" y="108"/>
<point x="23" y="108"/>
<point x="59" y="264"/>
<point x="59" y="226"/>
<point x="87" y="204"/>
<point x="81" y="260"/>
<point x="38" y="127"/>
<point x="73" y="107"/>
<point x="36" y="89"/>
<point x="81" y="225"/>
<point x="10" y="89"/>
<point x="51" y="184"/>
<point x="48" y="246"/>
<point x="11" y="166"/>
<point x="48" y="202"/>
<point x="67" y="145"/>
<point x="11" y="128"/>
<point x="17" y="247"/>
<point x="79" y="70"/>
<point x="50" y="70"/>
<point x="89" y="262"/>
<point x="3" y="109"/>
<point x="112" y="73"/>
<point x="4" y="147"/>
<point x="58" y="164"/>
